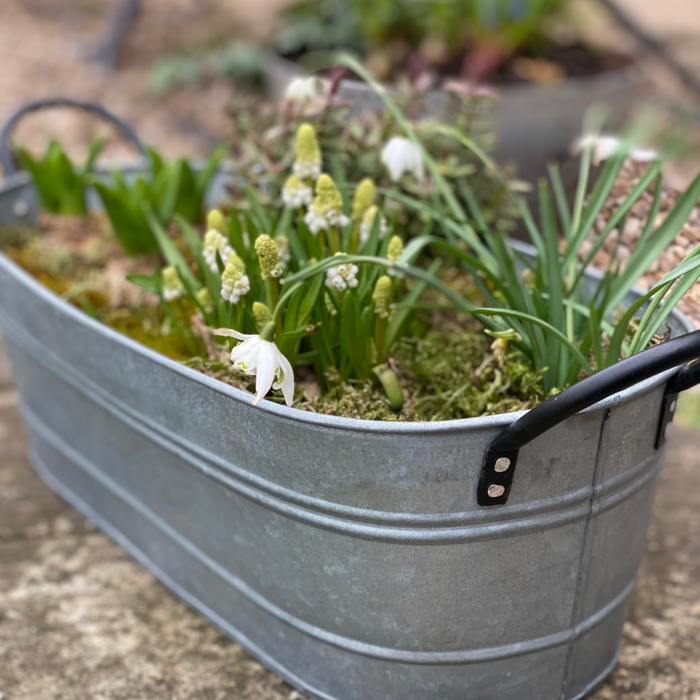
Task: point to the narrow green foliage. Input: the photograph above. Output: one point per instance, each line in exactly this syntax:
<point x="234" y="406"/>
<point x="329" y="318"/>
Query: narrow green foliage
<point x="60" y="183"/>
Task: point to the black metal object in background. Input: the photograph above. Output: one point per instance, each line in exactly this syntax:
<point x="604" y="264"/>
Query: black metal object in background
<point x="6" y="159"/>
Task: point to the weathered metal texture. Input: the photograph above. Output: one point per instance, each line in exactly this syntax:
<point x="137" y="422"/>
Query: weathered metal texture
<point x="348" y="556"/>
<point x="533" y="123"/>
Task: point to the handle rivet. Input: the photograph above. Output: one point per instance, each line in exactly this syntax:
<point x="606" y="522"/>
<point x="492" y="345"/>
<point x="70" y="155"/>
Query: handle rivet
<point x="672" y="407"/>
<point x="502" y="464"/>
<point x="496" y="490"/>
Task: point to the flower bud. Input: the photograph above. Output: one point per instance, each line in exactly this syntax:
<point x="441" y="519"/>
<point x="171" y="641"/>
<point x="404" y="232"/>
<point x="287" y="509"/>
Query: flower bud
<point x="382" y="296"/>
<point x="269" y="257"/>
<point x="363" y="199"/>
<point x="216" y="221"/>
<point x="308" y="154"/>
<point x="261" y="315"/>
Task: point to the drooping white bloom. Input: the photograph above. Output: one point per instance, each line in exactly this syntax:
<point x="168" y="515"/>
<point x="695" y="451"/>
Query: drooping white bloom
<point x="342" y="276"/>
<point x="296" y="194"/>
<point x="368" y="223"/>
<point x="605" y="146"/>
<point x="402" y="156"/>
<point x="302" y="90"/>
<point x="262" y="359"/>
<point x="215" y="242"/>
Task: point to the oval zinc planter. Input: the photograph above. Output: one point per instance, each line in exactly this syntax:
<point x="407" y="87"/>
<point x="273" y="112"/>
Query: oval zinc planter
<point x="533" y="123"/>
<point x="355" y="558"/>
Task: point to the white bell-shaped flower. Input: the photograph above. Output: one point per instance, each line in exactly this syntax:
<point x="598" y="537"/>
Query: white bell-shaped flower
<point x="263" y="360"/>
<point x="402" y="156"/>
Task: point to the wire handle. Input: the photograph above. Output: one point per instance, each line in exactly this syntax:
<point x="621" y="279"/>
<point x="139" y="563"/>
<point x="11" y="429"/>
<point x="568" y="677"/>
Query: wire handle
<point x="501" y="455"/>
<point x="6" y="159"/>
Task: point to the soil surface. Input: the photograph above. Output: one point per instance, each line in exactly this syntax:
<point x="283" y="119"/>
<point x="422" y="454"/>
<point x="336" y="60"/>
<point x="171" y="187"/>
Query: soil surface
<point x="80" y="620"/>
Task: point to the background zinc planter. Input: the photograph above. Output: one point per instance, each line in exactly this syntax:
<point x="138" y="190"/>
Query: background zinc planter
<point x="533" y="124"/>
<point x="391" y="561"/>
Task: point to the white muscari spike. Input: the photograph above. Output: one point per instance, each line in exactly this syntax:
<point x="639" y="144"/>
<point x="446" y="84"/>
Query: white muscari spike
<point x="368" y="223"/>
<point x="215" y="242"/>
<point x="342" y="276"/>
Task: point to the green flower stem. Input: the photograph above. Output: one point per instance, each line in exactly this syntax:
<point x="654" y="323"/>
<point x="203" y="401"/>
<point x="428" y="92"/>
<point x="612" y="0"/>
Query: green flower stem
<point x="355" y="239"/>
<point x="334" y="239"/>
<point x="273" y="288"/>
<point x="379" y="333"/>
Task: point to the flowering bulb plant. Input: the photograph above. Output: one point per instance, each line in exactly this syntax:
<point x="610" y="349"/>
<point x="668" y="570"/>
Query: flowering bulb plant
<point x="312" y="282"/>
<point x="324" y="280"/>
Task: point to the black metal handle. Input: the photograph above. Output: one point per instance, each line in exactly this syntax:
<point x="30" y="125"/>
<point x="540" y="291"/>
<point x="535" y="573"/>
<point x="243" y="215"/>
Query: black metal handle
<point x="6" y="159"/>
<point x="502" y="454"/>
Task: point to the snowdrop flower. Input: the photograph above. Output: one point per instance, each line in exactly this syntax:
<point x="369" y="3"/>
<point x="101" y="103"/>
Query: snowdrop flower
<point x="605" y="146"/>
<point x="296" y="194"/>
<point x="326" y="209"/>
<point x="363" y="199"/>
<point x="172" y="284"/>
<point x="302" y="90"/>
<point x="342" y="276"/>
<point x="381" y="296"/>
<point x="393" y="253"/>
<point x="268" y="256"/>
<point x="234" y="281"/>
<point x="368" y="224"/>
<point x="259" y="356"/>
<point x="308" y="154"/>
<point x="402" y="156"/>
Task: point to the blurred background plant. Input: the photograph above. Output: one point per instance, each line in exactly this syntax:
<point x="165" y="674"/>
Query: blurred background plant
<point x="60" y="182"/>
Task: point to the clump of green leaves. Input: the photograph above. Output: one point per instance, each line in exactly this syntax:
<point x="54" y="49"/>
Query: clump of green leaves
<point x="60" y="183"/>
<point x="166" y="189"/>
<point x="398" y="33"/>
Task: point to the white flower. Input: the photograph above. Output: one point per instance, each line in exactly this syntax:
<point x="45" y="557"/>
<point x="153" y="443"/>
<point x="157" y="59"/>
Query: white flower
<point x="296" y="194"/>
<point x="605" y="146"/>
<point x="342" y="276"/>
<point x="319" y="219"/>
<point x="368" y="223"/>
<point x="402" y="156"/>
<point x="304" y="89"/>
<point x="215" y="242"/>
<point x="172" y="284"/>
<point x="262" y="359"/>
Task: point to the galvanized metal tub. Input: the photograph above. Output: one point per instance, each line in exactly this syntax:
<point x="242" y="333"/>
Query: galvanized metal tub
<point x="350" y="557"/>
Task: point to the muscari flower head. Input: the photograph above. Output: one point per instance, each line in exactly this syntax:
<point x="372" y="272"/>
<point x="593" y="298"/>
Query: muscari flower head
<point x="382" y="296"/>
<point x="172" y="284"/>
<point x="308" y="153"/>
<point x="368" y="224"/>
<point x="269" y="257"/>
<point x="261" y="315"/>
<point x="402" y="156"/>
<point x="327" y="208"/>
<point x="259" y="357"/>
<point x="215" y="242"/>
<point x="216" y="221"/>
<point x="342" y="276"/>
<point x="393" y="253"/>
<point x="296" y="194"/>
<point x="283" y="248"/>
<point x="234" y="281"/>
<point x="205" y="300"/>
<point x="363" y="199"/>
